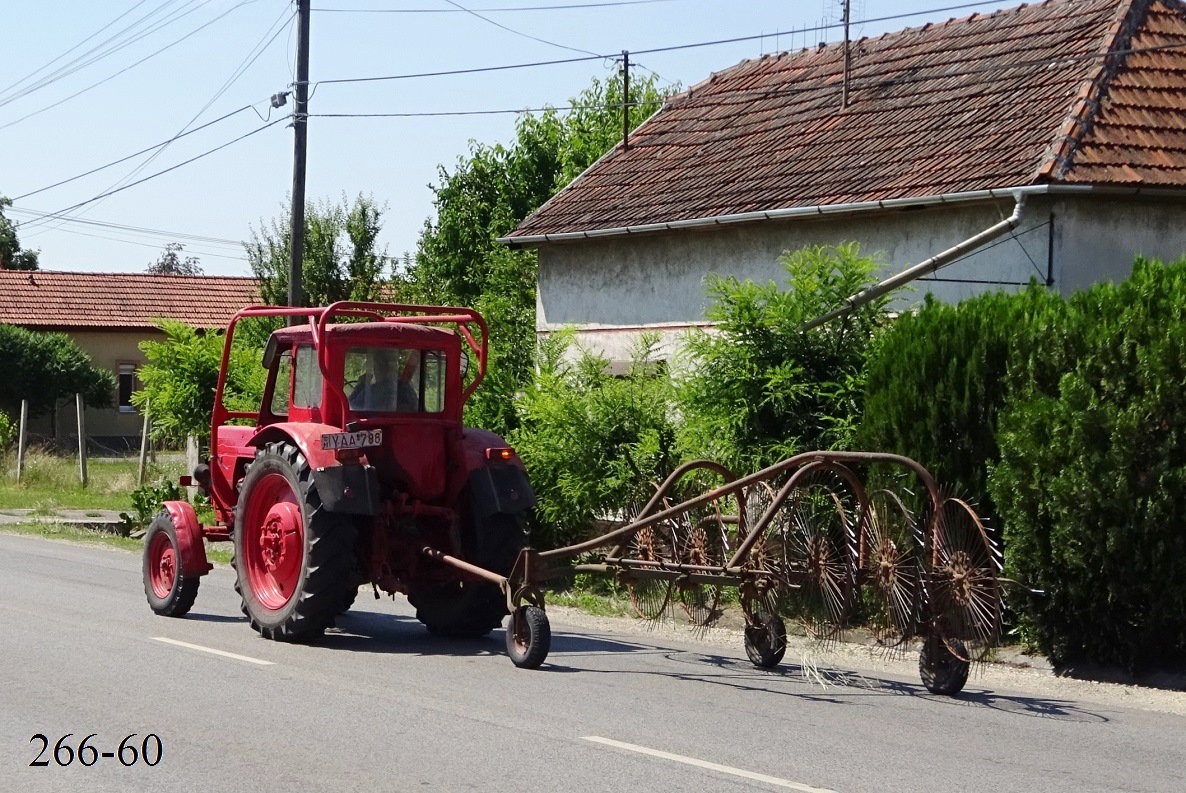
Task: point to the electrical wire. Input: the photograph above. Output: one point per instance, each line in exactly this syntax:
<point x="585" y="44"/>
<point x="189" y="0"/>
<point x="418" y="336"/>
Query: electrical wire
<point x="136" y="230"/>
<point x="518" y="32"/>
<point x="154" y="245"/>
<point x="133" y="155"/>
<point x="128" y="68"/>
<point x="426" y="114"/>
<point x="653" y="50"/>
<point x="564" y="7"/>
<point x="80" y="62"/>
<point x="257" y="130"/>
<point x="72" y="49"/>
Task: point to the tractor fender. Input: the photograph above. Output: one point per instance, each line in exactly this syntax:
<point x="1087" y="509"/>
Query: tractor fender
<point x="349" y="489"/>
<point x="189" y="539"/>
<point x="306" y="436"/>
<point x="494" y="485"/>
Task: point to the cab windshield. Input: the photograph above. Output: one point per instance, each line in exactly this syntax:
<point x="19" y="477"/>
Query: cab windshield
<point x="394" y="380"/>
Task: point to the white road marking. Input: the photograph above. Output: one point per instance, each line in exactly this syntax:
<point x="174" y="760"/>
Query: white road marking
<point x="212" y="651"/>
<point x="724" y="769"/>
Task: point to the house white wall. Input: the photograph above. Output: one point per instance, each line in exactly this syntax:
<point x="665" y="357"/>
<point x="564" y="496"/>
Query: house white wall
<point x="612" y="288"/>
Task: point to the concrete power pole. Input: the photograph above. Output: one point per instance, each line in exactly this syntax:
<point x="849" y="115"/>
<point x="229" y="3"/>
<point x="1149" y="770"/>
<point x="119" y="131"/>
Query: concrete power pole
<point x="300" y="126"/>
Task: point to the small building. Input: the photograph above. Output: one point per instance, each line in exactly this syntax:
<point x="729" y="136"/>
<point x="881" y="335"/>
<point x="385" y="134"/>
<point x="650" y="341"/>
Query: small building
<point x="109" y="315"/>
<point x="908" y="143"/>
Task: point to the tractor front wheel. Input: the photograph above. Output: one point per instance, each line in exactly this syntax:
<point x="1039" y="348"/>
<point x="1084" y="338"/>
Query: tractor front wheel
<point x="169" y="593"/>
<point x="292" y="559"/>
<point x="529" y="637"/>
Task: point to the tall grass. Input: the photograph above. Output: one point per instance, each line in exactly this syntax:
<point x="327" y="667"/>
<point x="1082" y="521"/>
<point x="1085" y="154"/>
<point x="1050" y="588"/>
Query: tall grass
<point x="50" y="481"/>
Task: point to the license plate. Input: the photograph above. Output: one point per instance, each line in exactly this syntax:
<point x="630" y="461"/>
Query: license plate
<point x="352" y="440"/>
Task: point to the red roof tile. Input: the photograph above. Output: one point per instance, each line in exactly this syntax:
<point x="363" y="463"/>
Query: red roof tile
<point x="1066" y="91"/>
<point x="42" y="298"/>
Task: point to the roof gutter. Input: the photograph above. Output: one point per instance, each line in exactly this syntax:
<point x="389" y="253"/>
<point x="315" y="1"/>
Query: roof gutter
<point x="825" y="210"/>
<point x="852" y="302"/>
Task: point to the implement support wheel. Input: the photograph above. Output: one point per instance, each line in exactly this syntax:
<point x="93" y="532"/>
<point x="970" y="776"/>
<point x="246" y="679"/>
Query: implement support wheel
<point x="943" y="665"/>
<point x="766" y="642"/>
<point x="529" y="637"/>
<point x="169" y="593"/>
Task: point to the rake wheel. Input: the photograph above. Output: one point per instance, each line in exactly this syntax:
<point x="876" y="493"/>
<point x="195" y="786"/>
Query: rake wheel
<point x="819" y="551"/>
<point x="703" y="537"/>
<point x="963" y="585"/>
<point x="765" y="563"/>
<point x="650" y="597"/>
<point x="893" y="567"/>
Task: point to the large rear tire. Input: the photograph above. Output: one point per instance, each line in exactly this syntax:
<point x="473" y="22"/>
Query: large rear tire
<point x="169" y="593"/>
<point x="472" y="609"/>
<point x="293" y="559"/>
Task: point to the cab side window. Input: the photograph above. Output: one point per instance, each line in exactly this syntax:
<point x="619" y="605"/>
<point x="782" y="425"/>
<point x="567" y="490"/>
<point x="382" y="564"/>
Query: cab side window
<point x="282" y="392"/>
<point x="307" y="382"/>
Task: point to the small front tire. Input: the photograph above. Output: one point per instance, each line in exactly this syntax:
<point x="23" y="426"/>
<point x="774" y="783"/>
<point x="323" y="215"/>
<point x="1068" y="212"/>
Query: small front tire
<point x="529" y="637"/>
<point x="943" y="665"/>
<point x="766" y="642"/>
<point x="169" y="592"/>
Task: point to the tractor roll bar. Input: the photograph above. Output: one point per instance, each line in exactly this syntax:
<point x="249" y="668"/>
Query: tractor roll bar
<point x="320" y="316"/>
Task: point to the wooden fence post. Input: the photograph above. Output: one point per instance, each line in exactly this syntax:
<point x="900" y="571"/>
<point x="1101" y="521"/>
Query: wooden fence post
<point x="79" y="408"/>
<point x="21" y="436"/>
<point x="143" y="448"/>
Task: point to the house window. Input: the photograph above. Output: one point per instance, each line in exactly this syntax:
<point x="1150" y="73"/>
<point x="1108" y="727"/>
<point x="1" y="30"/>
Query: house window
<point x="127" y="384"/>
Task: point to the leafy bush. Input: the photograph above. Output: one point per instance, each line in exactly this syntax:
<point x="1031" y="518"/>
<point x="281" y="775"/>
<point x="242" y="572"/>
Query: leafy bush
<point x="590" y="440"/>
<point x="47" y="367"/>
<point x="8" y="431"/>
<point x="756" y="389"/>
<point x="181" y="374"/>
<point x="1092" y="481"/>
<point x="146" y="503"/>
<point x="937" y="381"/>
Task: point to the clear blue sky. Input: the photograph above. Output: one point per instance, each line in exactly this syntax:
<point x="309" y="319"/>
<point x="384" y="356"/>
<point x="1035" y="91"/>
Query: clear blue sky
<point x="203" y="44"/>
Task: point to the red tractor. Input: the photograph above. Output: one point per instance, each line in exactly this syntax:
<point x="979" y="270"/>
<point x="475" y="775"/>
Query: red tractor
<point x="356" y="469"/>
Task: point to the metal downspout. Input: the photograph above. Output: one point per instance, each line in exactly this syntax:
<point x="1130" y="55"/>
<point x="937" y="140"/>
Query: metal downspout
<point x="932" y="264"/>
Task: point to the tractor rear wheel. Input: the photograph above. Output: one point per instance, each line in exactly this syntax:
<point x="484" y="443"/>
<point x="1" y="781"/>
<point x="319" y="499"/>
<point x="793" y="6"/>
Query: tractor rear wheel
<point x="292" y="558"/>
<point x="169" y="593"/>
<point x="471" y="609"/>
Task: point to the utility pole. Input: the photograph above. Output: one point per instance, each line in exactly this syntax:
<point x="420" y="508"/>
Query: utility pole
<point x="300" y="126"/>
<point x="625" y="99"/>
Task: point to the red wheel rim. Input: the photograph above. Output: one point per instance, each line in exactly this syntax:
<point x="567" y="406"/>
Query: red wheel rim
<point x="162" y="564"/>
<point x="273" y="541"/>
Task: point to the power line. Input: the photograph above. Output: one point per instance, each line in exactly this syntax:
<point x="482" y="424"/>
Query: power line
<point x="72" y="49"/>
<point x="81" y="61"/>
<point x="154" y="245"/>
<point x="133" y="155"/>
<point x="140" y="230"/>
<point x="61" y="212"/>
<point x="427" y="114"/>
<point x="518" y="32"/>
<point x="128" y="68"/>
<point x="564" y="7"/>
<point x="717" y="42"/>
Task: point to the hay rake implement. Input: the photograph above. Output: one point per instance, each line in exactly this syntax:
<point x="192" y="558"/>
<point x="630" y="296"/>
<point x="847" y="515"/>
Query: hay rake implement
<point x="822" y="538"/>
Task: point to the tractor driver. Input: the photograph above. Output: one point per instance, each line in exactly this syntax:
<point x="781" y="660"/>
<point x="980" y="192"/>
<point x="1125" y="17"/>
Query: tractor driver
<point x="380" y="389"/>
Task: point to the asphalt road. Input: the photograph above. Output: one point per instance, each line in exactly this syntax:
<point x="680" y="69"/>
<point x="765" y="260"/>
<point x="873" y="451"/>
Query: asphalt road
<point x="379" y="705"/>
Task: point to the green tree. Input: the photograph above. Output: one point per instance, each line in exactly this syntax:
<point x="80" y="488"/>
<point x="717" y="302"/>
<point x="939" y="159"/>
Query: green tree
<point x="45" y="368"/>
<point x="756" y="388"/>
<point x="171" y="263"/>
<point x="342" y="260"/>
<point x="11" y="255"/>
<point x="180" y="376"/>
<point x="460" y="262"/>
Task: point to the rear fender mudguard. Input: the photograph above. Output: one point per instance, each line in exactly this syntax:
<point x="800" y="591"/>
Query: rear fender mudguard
<point x="351" y="489"/>
<point x="189" y="539"/>
<point x="494" y="486"/>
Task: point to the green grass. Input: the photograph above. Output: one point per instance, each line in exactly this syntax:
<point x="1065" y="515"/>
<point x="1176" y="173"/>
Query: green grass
<point x="51" y="482"/>
<point x="58" y="531"/>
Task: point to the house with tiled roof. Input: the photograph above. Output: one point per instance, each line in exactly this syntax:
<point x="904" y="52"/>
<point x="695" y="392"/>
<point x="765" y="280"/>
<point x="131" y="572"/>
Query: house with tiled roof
<point x="109" y="315"/>
<point x="1067" y="117"/>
